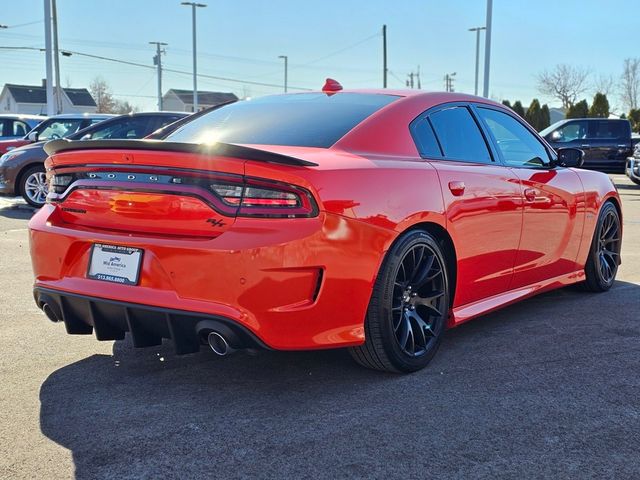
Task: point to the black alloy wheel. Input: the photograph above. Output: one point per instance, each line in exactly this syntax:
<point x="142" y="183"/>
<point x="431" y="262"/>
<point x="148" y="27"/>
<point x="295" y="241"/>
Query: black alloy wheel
<point x="418" y="300"/>
<point x="409" y="306"/>
<point x="604" y="256"/>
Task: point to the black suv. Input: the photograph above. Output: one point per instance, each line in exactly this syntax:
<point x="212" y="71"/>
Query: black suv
<point x="606" y="142"/>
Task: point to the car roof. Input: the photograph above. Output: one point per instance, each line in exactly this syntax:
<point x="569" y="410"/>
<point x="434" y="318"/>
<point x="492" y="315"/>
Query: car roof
<point x="24" y="116"/>
<point x="63" y="116"/>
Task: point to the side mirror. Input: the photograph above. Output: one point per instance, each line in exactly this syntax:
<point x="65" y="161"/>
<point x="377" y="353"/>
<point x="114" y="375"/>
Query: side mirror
<point x="556" y="135"/>
<point x="33" y="136"/>
<point x="86" y="137"/>
<point x="570" y="157"/>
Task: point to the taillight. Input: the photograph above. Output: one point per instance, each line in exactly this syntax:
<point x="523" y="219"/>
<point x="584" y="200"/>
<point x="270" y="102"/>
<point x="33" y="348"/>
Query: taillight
<point x="258" y="198"/>
<point x="228" y="194"/>
<point x="59" y="183"/>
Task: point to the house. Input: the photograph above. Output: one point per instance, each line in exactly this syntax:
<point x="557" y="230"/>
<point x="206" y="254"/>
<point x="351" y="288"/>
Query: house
<point x="33" y="100"/>
<point x="176" y="100"/>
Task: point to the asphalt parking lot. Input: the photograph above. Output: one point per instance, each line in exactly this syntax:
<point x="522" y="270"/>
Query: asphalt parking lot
<point x="547" y="388"/>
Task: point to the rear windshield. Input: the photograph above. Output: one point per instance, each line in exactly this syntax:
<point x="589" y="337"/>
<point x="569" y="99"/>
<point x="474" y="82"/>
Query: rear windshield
<point x="305" y="120"/>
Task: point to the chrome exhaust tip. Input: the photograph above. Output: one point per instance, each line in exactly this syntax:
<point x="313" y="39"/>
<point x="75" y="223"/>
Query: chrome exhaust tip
<point x="218" y="344"/>
<point x="50" y="313"/>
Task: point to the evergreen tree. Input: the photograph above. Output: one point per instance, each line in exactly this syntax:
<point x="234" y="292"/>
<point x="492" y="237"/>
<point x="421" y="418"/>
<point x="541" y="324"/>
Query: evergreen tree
<point x="634" y="118"/>
<point x="506" y="103"/>
<point x="578" y="110"/>
<point x="600" y="106"/>
<point x="533" y="115"/>
<point x="518" y="108"/>
<point x="545" y="117"/>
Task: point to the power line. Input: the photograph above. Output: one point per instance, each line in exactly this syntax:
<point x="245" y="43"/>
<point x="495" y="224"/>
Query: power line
<point x="68" y="53"/>
<point x="337" y="52"/>
<point x="25" y="24"/>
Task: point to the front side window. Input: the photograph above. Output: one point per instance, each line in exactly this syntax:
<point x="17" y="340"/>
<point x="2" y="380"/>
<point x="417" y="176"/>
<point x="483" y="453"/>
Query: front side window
<point x="570" y="132"/>
<point x="459" y="135"/>
<point x="20" y="129"/>
<point x="517" y="145"/>
<point x="59" y="129"/>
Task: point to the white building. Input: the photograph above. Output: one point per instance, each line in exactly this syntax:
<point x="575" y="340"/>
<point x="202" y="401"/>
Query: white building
<point x="176" y="100"/>
<point x="33" y="100"/>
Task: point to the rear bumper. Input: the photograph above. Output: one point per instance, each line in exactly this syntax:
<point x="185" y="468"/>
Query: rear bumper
<point x="292" y="283"/>
<point x="109" y="320"/>
<point x="633" y="168"/>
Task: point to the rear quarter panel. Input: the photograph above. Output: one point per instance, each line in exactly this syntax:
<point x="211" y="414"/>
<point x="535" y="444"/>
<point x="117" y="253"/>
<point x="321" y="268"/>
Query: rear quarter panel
<point x="387" y="196"/>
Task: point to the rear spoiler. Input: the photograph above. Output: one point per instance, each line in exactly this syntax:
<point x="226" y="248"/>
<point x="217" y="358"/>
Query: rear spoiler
<point x="218" y="149"/>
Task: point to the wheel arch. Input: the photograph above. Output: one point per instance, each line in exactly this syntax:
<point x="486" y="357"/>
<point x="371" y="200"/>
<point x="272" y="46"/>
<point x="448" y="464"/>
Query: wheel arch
<point x="442" y="236"/>
<point x="444" y="239"/>
<point x="17" y="186"/>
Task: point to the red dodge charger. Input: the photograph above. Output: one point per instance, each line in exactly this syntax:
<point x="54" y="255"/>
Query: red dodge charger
<point x="372" y="220"/>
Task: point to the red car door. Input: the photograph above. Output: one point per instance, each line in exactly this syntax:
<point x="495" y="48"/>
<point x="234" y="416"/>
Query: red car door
<point x="482" y="198"/>
<point x="553" y="201"/>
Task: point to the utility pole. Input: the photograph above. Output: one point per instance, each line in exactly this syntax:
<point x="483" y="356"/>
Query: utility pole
<point x="410" y="81"/>
<point x="487" y="49"/>
<point x="47" y="53"/>
<point x="477" y="30"/>
<point x="194" y="5"/>
<point x="418" y="75"/>
<point x="448" y="82"/>
<point x="157" y="61"/>
<point x="384" y="56"/>
<point x="286" y="70"/>
<point x="56" y="56"/>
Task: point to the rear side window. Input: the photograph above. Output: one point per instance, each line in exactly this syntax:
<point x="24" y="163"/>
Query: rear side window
<point x="137" y="127"/>
<point x="459" y="135"/>
<point x="306" y="119"/>
<point x="5" y="128"/>
<point x="426" y="139"/>
<point x="607" y="129"/>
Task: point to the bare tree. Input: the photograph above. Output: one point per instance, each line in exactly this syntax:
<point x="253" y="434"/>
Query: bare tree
<point x="565" y="83"/>
<point x="605" y="84"/>
<point x="101" y="93"/>
<point x="124" y="107"/>
<point x="630" y="83"/>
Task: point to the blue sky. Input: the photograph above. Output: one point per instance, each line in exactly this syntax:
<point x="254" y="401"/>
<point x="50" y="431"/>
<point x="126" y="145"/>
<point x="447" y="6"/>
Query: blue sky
<point x="242" y="39"/>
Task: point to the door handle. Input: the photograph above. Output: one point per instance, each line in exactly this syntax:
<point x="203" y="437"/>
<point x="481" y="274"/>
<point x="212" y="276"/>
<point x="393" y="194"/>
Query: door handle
<point x="530" y="194"/>
<point x="586" y="145"/>
<point x="456" y="187"/>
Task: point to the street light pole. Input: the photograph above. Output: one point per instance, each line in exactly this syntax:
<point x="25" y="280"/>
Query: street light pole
<point x="286" y="70"/>
<point x="48" y="58"/>
<point x="487" y="49"/>
<point x="477" y="30"/>
<point x="194" y="5"/>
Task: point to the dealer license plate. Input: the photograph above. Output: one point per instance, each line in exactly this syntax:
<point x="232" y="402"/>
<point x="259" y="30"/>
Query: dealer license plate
<point x="115" y="263"/>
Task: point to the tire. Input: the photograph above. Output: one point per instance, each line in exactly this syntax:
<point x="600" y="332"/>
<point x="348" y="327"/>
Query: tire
<point x="635" y="180"/>
<point x="411" y="294"/>
<point x="31" y="186"/>
<point x="604" y="255"/>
